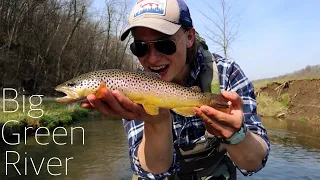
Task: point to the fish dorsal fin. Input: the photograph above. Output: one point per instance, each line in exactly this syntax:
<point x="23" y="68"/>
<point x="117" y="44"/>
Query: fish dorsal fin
<point x="151" y="109"/>
<point x="152" y="74"/>
<point x="99" y="93"/>
<point x="185" y="111"/>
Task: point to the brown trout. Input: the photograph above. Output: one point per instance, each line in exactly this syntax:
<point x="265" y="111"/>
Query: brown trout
<point x="144" y="88"/>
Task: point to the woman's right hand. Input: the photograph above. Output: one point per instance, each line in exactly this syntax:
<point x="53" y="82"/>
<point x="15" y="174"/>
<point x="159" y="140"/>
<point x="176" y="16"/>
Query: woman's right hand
<point x="116" y="104"/>
<point x="157" y="128"/>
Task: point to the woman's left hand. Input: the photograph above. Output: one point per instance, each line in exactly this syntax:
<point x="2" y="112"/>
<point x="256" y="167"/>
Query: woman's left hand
<point x="221" y="124"/>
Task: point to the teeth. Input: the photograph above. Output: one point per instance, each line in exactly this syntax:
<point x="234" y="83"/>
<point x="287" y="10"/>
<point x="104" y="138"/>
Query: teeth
<point x="157" y="68"/>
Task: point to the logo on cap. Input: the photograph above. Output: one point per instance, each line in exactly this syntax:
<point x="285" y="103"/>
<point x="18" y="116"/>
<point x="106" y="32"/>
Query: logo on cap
<point x="149" y="7"/>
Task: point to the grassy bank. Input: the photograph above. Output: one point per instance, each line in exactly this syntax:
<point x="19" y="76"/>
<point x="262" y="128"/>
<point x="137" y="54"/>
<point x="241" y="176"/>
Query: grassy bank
<point x="48" y="114"/>
<point x="272" y="106"/>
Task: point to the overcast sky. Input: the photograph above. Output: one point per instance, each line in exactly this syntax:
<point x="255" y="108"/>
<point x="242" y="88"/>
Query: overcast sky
<point x="275" y="37"/>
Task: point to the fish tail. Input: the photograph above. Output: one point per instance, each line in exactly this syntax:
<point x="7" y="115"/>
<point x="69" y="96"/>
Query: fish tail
<point x="217" y="101"/>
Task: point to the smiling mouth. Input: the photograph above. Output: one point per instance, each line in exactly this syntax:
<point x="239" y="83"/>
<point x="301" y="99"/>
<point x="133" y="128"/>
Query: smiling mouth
<point x="159" y="69"/>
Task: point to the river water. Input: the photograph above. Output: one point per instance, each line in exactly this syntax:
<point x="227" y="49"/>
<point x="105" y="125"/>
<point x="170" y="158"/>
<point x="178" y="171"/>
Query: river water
<point x="295" y="153"/>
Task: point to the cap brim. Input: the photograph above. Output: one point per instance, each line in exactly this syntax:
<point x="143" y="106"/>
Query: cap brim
<point x="160" y="25"/>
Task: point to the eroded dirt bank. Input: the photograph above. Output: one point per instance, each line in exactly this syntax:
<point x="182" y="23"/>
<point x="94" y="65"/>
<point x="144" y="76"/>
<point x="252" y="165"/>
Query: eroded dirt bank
<point x="303" y="98"/>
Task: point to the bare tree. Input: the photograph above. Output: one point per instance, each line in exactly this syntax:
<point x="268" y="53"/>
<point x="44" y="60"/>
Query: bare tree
<point x="66" y="43"/>
<point x="113" y="49"/>
<point x="45" y="42"/>
<point x="223" y="26"/>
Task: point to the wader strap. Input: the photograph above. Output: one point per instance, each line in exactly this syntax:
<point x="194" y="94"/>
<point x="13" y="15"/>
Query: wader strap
<point x="209" y="78"/>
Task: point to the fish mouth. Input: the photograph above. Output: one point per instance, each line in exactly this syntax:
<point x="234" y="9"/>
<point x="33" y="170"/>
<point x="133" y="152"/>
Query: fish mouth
<point x="71" y="95"/>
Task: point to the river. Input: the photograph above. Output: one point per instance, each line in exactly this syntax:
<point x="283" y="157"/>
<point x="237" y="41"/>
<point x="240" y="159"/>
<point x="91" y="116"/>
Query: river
<point x="295" y="153"/>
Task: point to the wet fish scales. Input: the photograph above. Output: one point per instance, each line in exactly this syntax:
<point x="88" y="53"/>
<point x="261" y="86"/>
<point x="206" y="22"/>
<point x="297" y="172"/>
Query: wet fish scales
<point x="143" y="88"/>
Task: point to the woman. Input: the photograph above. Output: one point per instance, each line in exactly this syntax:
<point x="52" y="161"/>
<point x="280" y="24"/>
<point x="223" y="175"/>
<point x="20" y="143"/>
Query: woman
<point x="208" y="145"/>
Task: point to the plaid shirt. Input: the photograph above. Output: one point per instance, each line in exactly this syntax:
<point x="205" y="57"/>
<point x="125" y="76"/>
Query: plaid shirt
<point x="189" y="130"/>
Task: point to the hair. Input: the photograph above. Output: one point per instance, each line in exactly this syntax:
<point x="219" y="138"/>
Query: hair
<point x="192" y="51"/>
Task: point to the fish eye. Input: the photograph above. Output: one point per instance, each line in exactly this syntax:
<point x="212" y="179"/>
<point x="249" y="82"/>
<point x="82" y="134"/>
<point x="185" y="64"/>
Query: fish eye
<point x="71" y="84"/>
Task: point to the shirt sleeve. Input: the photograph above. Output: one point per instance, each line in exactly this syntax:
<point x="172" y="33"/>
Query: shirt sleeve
<point x="235" y="80"/>
<point x="134" y="131"/>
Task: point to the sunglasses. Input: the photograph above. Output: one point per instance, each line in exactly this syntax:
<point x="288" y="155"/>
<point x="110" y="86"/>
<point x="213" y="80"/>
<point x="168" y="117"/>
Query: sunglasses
<point x="141" y="48"/>
<point x="165" y="46"/>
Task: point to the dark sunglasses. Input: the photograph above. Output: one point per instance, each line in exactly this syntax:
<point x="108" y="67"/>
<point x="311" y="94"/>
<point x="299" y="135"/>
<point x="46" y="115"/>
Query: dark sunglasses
<point x="141" y="48"/>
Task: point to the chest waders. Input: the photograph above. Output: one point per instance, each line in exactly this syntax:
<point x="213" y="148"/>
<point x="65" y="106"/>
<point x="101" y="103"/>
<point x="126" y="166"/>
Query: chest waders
<point x="206" y="160"/>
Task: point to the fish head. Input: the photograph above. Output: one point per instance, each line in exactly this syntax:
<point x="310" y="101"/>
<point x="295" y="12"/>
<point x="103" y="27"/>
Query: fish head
<point x="71" y="90"/>
<point x="77" y="89"/>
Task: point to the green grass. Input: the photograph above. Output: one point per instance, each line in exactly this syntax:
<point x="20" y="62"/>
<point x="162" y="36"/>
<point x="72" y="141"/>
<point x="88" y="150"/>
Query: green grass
<point x="303" y="119"/>
<point x="54" y="114"/>
<point x="268" y="106"/>
<point x="272" y="106"/>
<point x="284" y="99"/>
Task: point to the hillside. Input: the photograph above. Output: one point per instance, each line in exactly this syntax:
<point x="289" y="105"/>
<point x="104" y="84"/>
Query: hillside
<point x="307" y="72"/>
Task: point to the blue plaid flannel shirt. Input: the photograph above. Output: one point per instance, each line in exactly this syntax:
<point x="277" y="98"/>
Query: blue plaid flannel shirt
<point x="189" y="130"/>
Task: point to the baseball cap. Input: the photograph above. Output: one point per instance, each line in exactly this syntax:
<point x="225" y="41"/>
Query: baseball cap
<point x="165" y="16"/>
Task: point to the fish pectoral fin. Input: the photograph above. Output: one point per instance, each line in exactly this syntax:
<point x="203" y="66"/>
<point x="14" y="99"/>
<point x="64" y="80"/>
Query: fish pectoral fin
<point x="185" y="111"/>
<point x="151" y="109"/>
<point x="139" y="101"/>
<point x="99" y="93"/>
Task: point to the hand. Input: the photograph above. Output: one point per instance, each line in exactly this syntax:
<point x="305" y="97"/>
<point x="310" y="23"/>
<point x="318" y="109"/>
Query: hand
<point x="221" y="124"/>
<point x="116" y="104"/>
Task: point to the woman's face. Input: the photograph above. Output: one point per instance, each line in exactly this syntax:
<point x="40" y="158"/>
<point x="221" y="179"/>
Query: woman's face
<point x="170" y="67"/>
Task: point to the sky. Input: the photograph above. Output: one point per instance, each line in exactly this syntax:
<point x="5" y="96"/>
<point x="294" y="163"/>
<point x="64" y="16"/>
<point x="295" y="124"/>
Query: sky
<point x="275" y="37"/>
